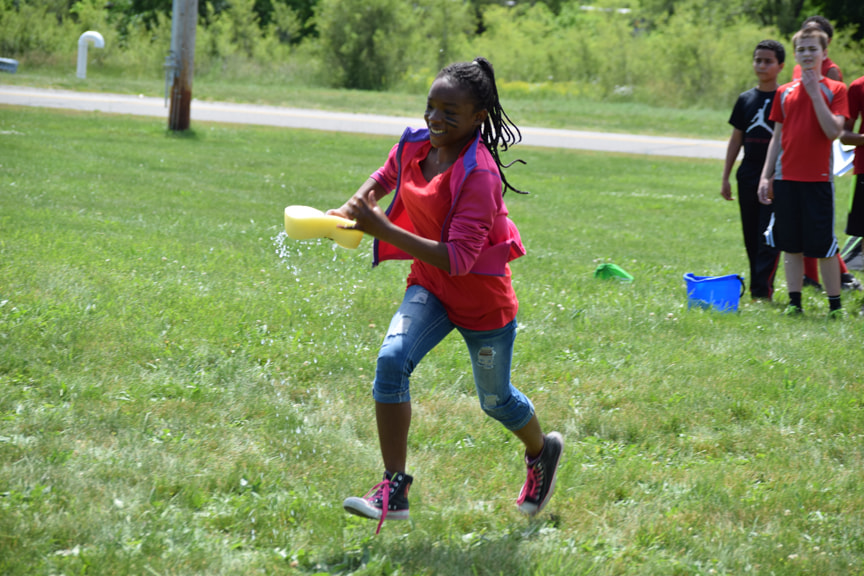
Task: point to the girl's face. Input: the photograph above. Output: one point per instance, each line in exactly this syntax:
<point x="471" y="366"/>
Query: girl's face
<point x="451" y="115"/>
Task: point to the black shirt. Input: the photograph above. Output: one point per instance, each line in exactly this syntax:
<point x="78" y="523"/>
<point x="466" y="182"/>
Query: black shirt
<point x="750" y="115"/>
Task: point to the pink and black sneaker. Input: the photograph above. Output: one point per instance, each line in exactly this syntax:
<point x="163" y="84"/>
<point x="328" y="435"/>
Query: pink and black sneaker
<point x="386" y="500"/>
<point x="542" y="473"/>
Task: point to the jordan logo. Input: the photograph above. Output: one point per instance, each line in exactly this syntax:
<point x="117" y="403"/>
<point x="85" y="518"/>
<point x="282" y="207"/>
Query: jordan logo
<point x="759" y="119"/>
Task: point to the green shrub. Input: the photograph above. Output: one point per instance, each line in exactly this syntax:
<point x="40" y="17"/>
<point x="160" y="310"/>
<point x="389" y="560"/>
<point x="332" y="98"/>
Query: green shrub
<point x="358" y="54"/>
<point x="696" y="55"/>
<point x="34" y="30"/>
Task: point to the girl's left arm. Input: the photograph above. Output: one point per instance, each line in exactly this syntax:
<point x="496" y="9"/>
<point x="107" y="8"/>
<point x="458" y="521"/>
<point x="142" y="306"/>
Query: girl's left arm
<point x="363" y="208"/>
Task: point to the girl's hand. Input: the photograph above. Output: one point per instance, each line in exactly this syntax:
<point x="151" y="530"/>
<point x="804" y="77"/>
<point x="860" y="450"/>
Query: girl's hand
<point x="338" y="212"/>
<point x="370" y="191"/>
<point x="363" y="208"/>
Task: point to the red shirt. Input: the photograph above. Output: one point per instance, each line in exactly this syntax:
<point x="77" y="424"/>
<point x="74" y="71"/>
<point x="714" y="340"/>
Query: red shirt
<point x="856" y="110"/>
<point x="805" y="151"/>
<point x="472" y="301"/>
<point x="827" y="64"/>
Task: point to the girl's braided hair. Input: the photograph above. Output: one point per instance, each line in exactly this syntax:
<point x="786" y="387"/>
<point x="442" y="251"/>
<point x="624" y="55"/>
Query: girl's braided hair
<point x="478" y="78"/>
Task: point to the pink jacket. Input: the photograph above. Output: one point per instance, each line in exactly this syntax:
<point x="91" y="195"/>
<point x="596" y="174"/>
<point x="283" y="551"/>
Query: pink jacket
<point x="480" y="238"/>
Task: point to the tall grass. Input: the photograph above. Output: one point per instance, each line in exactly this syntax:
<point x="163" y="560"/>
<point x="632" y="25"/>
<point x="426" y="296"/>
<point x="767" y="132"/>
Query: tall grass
<point x="182" y="391"/>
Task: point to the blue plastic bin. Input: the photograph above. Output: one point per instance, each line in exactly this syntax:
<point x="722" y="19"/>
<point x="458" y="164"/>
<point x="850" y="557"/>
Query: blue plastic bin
<point x="719" y="292"/>
<point x="8" y="65"/>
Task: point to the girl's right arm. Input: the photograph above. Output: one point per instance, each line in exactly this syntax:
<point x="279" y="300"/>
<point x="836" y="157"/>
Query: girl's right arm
<point x="370" y="218"/>
<point x="371" y="184"/>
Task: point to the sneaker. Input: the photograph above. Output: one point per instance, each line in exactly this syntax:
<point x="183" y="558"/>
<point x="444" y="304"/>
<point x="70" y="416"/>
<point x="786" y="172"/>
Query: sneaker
<point x="849" y="282"/>
<point x="813" y="283"/>
<point x="838" y="314"/>
<point x="542" y="474"/>
<point x="387" y="499"/>
<point x="792" y="310"/>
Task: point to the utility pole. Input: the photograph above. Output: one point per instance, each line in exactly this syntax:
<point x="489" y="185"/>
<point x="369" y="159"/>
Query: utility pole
<point x="181" y="62"/>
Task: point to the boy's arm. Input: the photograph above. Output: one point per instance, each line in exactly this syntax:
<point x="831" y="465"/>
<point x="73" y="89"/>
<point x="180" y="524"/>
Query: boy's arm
<point x="849" y="136"/>
<point x="767" y="179"/>
<point x="831" y="124"/>
<point x="732" y="149"/>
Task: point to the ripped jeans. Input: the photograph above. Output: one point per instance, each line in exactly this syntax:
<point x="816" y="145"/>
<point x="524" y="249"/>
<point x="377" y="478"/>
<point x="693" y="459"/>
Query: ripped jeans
<point x="418" y="326"/>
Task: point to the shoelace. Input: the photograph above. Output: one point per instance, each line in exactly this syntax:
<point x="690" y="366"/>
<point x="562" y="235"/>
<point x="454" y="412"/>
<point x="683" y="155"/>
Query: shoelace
<point x="382" y="491"/>
<point x="532" y="484"/>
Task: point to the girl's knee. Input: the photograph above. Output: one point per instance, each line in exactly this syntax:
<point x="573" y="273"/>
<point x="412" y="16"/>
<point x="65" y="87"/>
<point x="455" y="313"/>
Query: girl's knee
<point x="393" y="357"/>
<point x="513" y="412"/>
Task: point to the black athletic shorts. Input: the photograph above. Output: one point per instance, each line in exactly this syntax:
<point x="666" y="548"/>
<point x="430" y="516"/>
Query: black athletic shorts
<point x="803" y="219"/>
<point x="855" y="221"/>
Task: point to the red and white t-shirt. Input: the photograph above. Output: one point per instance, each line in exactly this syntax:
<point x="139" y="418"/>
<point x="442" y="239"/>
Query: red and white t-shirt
<point x="805" y="151"/>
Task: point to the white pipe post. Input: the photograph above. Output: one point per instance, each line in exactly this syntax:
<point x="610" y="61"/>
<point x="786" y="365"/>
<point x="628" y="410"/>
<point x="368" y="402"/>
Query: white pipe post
<point x="98" y="42"/>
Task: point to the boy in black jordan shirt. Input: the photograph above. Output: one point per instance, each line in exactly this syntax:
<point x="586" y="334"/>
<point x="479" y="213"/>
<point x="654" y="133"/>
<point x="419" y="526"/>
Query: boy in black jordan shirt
<point x="753" y="130"/>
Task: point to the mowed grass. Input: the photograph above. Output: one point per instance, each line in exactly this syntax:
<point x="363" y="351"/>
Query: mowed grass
<point x="182" y="391"/>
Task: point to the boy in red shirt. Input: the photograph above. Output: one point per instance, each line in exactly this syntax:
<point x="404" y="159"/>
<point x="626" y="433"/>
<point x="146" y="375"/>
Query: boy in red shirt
<point x="832" y="71"/>
<point x="855" y="220"/>
<point x="808" y="115"/>
<point x="829" y="68"/>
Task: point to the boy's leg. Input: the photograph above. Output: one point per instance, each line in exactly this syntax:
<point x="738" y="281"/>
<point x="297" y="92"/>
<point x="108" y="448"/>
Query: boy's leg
<point x="763" y="259"/>
<point x="830" y="269"/>
<point x="855" y="218"/>
<point x="811" y="271"/>
<point x="819" y="238"/>
<point x="794" y="265"/>
<point x="842" y="264"/>
<point x="786" y="233"/>
<point x="767" y="258"/>
<point x="748" y="204"/>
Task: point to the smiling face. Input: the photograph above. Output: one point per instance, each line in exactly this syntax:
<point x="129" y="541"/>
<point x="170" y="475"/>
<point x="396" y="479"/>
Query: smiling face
<point x="451" y="115"/>
<point x="809" y="53"/>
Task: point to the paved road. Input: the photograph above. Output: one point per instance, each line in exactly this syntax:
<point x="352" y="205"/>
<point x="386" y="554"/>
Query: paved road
<point x="344" y="122"/>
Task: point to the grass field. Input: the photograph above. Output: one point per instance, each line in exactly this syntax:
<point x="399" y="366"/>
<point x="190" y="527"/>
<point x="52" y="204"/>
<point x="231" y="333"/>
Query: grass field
<point x="184" y="392"/>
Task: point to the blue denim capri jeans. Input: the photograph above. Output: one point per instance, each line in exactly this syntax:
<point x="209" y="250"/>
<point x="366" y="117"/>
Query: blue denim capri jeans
<point x="418" y="326"/>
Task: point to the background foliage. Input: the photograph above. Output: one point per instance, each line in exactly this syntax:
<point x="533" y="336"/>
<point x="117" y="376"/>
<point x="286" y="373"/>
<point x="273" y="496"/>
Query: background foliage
<point x="675" y="52"/>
